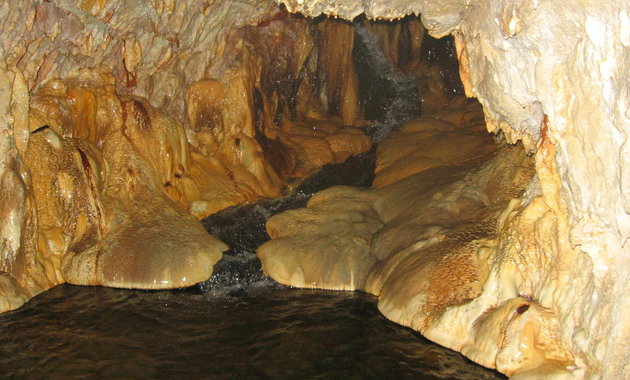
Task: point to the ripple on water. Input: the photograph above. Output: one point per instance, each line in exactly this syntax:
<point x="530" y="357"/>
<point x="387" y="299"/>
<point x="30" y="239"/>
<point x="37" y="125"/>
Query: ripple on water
<point x="261" y="332"/>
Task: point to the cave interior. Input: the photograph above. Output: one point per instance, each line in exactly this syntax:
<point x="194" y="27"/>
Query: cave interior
<point x="432" y="159"/>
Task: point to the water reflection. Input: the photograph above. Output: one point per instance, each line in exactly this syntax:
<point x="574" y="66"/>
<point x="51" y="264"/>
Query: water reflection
<point x="260" y="332"/>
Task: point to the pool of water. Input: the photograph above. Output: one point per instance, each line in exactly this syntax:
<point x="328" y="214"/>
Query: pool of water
<point x="264" y="331"/>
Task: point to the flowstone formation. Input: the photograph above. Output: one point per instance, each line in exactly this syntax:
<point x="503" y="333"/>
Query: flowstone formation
<point x="425" y="240"/>
<point x="547" y="295"/>
<point x="123" y="123"/>
<point x="121" y="119"/>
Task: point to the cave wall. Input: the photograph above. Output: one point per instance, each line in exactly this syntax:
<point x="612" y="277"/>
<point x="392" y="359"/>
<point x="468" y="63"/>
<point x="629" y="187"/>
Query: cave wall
<point x="555" y="77"/>
<point x="66" y="66"/>
<point x="552" y="75"/>
<point x="121" y="119"/>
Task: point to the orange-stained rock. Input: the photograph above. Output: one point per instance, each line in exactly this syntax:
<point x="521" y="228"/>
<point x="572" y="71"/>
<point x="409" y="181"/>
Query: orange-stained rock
<point x="352" y="239"/>
<point x="67" y="179"/>
<point x="12" y="295"/>
<point x="154" y="246"/>
<point x="337" y="69"/>
<point x="400" y="40"/>
<point x="274" y="104"/>
<point x="346" y="142"/>
<point x="430" y="142"/>
<point x="103" y="219"/>
<point x="317" y="145"/>
<point x="551" y="74"/>
<point x="116" y="127"/>
<point x="427" y="244"/>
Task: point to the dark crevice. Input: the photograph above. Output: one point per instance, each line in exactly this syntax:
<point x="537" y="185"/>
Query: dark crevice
<point x="442" y="52"/>
<point x="389" y="97"/>
<point x="242" y="227"/>
<point x="40" y="129"/>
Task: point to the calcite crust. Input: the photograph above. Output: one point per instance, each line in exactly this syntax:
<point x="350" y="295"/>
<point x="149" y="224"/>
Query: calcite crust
<point x="554" y="76"/>
<point x="120" y="119"/>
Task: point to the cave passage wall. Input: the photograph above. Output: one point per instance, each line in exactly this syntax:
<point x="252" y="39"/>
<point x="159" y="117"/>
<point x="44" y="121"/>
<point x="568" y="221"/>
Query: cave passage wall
<point x="554" y="76"/>
<point x="119" y="119"/>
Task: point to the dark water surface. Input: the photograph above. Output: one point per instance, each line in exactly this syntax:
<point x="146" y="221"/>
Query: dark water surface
<point x="263" y="332"/>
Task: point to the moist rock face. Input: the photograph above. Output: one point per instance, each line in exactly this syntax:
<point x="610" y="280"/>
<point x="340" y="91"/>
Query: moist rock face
<point x="123" y="123"/>
<point x="552" y="76"/>
<point x="428" y="239"/>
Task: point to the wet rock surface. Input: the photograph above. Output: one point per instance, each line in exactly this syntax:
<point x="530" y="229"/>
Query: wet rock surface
<point x="425" y="241"/>
<point x="390" y="100"/>
<point x="242" y="228"/>
<point x="568" y="108"/>
<point x="204" y="106"/>
<point x="114" y="132"/>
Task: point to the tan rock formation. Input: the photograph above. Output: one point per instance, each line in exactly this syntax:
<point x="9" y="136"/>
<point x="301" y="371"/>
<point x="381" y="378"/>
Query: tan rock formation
<point x="120" y="119"/>
<point x="100" y="174"/>
<point x="434" y="242"/>
<point x="554" y="76"/>
<point x="189" y="107"/>
<point x="85" y="170"/>
<point x="436" y="142"/>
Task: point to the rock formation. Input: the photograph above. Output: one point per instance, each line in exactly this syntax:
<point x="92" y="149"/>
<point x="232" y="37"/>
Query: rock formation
<point x="548" y="296"/>
<point x="120" y="119"/>
<point x="427" y="240"/>
<point x="122" y="123"/>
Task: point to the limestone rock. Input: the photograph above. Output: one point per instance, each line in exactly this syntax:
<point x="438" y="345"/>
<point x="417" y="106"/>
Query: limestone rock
<point x="191" y="98"/>
<point x="12" y="295"/>
<point x="157" y="246"/>
<point x="102" y="219"/>
<point x="120" y="119"/>
<point x="326" y="245"/>
<point x="553" y="75"/>
<point x="433" y="246"/>
<point x="437" y="142"/>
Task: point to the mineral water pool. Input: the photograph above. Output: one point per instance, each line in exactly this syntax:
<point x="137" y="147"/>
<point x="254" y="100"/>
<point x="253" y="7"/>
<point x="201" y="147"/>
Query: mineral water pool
<point x="262" y="331"/>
